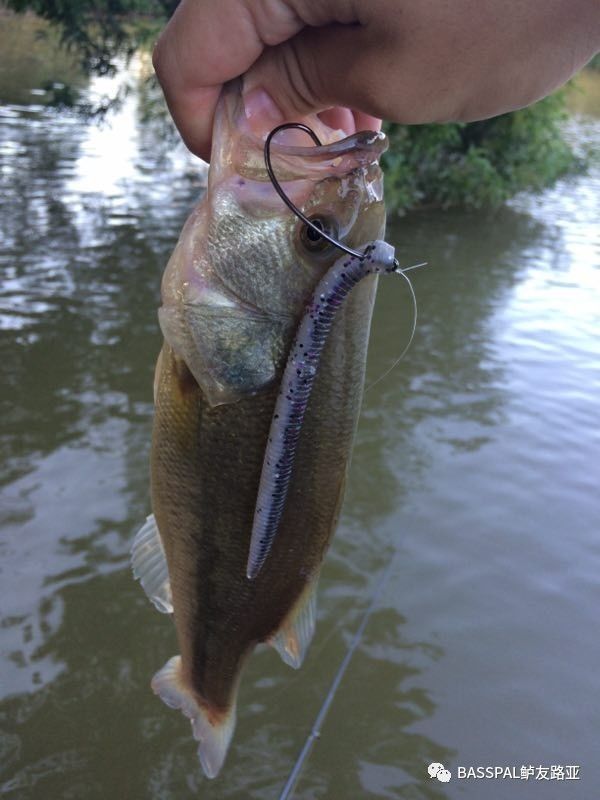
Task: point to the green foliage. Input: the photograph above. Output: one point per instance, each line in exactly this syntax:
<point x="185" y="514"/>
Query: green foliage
<point x="595" y="63"/>
<point x="101" y="32"/>
<point x="479" y="163"/>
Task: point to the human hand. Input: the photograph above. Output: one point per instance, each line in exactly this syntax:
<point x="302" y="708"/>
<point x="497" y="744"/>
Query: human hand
<point x="357" y="62"/>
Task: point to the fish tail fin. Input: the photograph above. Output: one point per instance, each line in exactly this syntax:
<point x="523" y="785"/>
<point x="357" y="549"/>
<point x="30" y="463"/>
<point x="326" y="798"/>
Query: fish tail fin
<point x="213" y="730"/>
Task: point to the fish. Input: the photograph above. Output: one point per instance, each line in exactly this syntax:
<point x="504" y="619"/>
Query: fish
<point x="233" y="294"/>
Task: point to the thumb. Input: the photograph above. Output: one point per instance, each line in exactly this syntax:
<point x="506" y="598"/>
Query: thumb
<point x="321" y="68"/>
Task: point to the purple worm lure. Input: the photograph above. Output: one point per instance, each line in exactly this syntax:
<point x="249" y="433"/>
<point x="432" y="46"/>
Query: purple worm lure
<point x="296" y="386"/>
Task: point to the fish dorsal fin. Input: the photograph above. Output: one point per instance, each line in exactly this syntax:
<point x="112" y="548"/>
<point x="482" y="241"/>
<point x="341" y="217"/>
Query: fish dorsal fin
<point x="295" y="635"/>
<point x="212" y="729"/>
<point x="149" y="566"/>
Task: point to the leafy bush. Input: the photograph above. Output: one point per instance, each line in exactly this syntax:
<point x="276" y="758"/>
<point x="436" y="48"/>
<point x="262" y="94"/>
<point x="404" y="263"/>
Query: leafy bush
<point x="480" y="163"/>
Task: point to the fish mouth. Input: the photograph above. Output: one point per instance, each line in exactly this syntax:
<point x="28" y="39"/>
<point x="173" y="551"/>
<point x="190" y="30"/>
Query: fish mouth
<point x="339" y="157"/>
<point x="243" y="147"/>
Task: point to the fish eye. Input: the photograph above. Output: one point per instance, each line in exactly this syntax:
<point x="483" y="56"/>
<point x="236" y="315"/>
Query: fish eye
<point x="311" y="240"/>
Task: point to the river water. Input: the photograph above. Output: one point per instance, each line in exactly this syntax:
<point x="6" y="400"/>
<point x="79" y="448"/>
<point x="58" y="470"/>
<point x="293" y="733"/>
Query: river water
<point x="474" y="489"/>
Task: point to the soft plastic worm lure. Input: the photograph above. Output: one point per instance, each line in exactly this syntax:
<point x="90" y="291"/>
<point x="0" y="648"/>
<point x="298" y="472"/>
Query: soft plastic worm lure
<point x="296" y="386"/>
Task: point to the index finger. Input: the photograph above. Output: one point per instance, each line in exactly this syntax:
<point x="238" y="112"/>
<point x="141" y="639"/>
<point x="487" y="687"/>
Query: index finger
<point x="204" y="45"/>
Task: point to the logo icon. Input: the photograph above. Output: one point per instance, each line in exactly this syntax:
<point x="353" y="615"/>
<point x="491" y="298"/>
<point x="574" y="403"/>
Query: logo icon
<point x="437" y="770"/>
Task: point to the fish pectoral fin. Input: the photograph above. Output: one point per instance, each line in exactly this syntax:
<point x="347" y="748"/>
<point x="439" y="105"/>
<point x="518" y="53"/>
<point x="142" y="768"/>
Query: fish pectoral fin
<point x="295" y="635"/>
<point x="149" y="566"/>
<point x="213" y="731"/>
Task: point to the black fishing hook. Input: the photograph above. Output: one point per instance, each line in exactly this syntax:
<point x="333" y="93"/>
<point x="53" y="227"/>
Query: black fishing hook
<point x="286" y="199"/>
<point x="277" y="186"/>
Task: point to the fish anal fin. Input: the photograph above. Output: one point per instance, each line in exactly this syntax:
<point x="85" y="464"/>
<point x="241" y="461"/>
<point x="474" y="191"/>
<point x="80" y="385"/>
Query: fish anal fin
<point x="212" y="728"/>
<point x="295" y="635"/>
<point x="149" y="566"/>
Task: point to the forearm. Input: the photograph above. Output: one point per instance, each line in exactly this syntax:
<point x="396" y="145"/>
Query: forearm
<point x="485" y="57"/>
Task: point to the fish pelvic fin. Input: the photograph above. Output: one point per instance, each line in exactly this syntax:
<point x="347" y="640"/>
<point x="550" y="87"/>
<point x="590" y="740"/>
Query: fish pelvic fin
<point x="295" y="635"/>
<point x="149" y="566"/>
<point x="211" y="729"/>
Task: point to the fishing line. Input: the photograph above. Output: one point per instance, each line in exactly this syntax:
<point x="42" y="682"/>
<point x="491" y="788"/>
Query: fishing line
<point x="393" y="366"/>
<point x="315" y="731"/>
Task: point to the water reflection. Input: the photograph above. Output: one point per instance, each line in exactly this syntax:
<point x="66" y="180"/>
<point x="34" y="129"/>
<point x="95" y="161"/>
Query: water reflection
<point x="79" y="289"/>
<point x="391" y="752"/>
<point x="451" y="371"/>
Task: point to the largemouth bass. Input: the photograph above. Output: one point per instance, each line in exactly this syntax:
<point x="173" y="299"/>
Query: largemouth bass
<point x="233" y="293"/>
